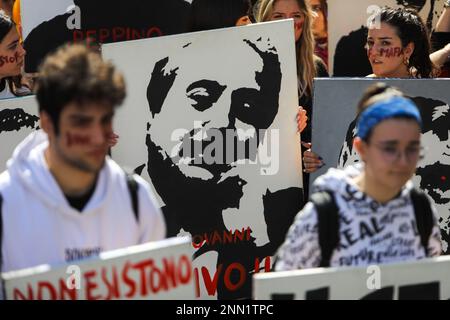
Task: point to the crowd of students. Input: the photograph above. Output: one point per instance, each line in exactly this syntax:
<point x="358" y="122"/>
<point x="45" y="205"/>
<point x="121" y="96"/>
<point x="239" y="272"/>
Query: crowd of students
<point x="63" y="169"/>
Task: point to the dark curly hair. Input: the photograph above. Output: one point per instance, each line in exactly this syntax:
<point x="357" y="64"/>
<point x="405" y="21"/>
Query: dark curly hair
<point x="75" y="73"/>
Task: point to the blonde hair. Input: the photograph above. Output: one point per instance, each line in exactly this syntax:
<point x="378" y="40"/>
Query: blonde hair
<point x="306" y="59"/>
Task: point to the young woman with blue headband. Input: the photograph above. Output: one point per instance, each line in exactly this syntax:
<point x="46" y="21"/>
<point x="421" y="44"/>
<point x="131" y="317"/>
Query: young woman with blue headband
<point x="374" y="198"/>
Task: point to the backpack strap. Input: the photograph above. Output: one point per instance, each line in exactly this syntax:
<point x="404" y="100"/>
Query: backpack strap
<point x="328" y="224"/>
<point x="133" y="187"/>
<point x="424" y="216"/>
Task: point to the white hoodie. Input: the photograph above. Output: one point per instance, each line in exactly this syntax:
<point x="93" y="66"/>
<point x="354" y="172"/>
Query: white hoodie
<point x="40" y="227"/>
<point x="370" y="232"/>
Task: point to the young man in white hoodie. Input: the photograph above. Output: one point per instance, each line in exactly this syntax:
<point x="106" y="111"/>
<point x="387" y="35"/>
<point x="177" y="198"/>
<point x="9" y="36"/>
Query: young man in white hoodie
<point x="63" y="198"/>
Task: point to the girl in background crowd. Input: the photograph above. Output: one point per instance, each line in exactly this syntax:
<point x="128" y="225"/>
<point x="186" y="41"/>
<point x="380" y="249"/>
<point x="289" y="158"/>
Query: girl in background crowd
<point x="397" y="46"/>
<point x="320" y="28"/>
<point x="7" y="6"/>
<point x="375" y="203"/>
<point x="12" y="56"/>
<point x="309" y="65"/>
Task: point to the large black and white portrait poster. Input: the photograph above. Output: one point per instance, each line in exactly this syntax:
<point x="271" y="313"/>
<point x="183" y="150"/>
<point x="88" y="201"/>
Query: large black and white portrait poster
<point x="18" y="118"/>
<point x="48" y="24"/>
<point x="347" y="36"/>
<point x="419" y="280"/>
<point x="210" y="121"/>
<point x="335" y="142"/>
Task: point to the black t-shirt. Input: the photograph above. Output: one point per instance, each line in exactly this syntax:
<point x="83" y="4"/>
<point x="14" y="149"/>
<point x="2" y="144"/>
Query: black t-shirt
<point x="79" y="202"/>
<point x="438" y="41"/>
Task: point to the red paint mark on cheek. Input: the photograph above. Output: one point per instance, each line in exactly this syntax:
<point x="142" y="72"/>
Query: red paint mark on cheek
<point x="390" y="52"/>
<point x="12" y="59"/>
<point x="76" y="140"/>
<point x="8" y="59"/>
<point x="299" y="24"/>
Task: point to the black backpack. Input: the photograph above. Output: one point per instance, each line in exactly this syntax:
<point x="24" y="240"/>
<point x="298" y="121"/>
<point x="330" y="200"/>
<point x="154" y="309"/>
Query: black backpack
<point x="133" y="187"/>
<point x="328" y="221"/>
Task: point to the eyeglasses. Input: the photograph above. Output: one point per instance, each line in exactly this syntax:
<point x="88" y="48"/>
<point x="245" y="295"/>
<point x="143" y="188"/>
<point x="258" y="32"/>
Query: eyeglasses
<point x="392" y="154"/>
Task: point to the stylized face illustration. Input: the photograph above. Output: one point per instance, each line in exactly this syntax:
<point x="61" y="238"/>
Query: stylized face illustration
<point x="434" y="168"/>
<point x="15" y="125"/>
<point x="433" y="171"/>
<point x="204" y="108"/>
<point x="205" y="121"/>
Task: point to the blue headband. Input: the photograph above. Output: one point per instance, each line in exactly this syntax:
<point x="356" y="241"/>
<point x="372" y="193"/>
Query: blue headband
<point x="390" y="108"/>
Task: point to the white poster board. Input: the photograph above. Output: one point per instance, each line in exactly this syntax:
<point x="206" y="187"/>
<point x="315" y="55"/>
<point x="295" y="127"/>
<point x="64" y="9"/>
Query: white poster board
<point x="425" y="280"/>
<point x="205" y="90"/>
<point x="155" y="271"/>
<point x="18" y="118"/>
<point x="346" y="17"/>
